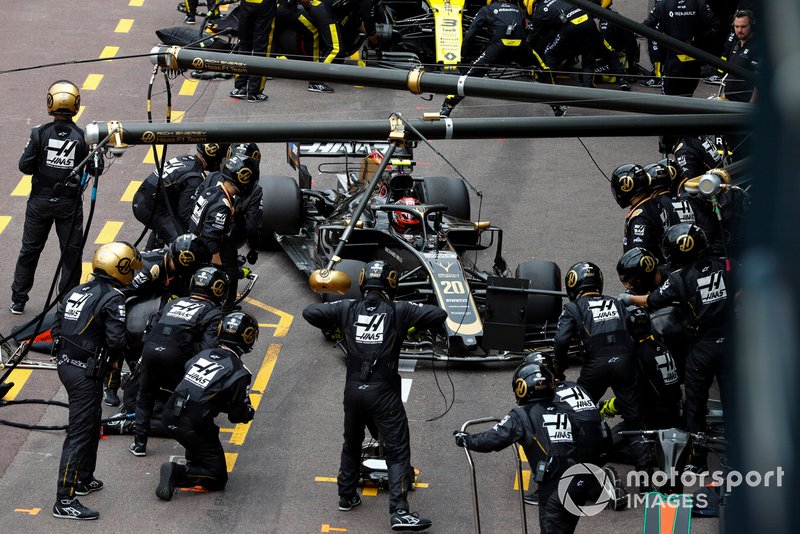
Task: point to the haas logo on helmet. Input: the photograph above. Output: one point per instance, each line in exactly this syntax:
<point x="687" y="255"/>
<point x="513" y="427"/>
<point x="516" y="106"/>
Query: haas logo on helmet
<point x="124" y="266"/>
<point x="186" y="258"/>
<point x="249" y="335"/>
<point x="626" y="184"/>
<point x="647" y="263"/>
<point x="218" y="288"/>
<point x="572" y="279"/>
<point x="685" y="243"/>
<point x="212" y="149"/>
<point x="520" y="388"/>
<point x="244" y="175"/>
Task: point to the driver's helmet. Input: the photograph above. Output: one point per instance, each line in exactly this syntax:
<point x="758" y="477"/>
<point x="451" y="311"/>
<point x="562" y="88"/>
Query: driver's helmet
<point x="405" y="222"/>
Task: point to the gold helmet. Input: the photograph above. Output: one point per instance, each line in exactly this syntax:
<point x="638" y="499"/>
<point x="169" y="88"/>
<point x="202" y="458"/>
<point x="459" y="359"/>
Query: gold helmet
<point x="118" y="260"/>
<point x="63" y="98"/>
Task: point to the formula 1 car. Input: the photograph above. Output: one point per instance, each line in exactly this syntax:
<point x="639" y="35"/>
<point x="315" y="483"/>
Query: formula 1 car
<point x="432" y="241"/>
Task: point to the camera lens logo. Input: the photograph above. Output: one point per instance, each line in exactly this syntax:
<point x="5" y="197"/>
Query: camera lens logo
<point x="520" y="388"/>
<point x="572" y="279"/>
<point x="186" y="258"/>
<point x="124" y="266"/>
<point x="685" y="243"/>
<point x="218" y="288"/>
<point x="244" y="175"/>
<point x="626" y="184"/>
<point x="584" y="471"/>
<point x="647" y="263"/>
<point x="249" y="335"/>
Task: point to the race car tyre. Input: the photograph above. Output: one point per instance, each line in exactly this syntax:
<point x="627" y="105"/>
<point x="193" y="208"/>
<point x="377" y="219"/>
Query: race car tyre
<point x="353" y="269"/>
<point x="542" y="275"/>
<point x="282" y="209"/>
<point x="447" y="190"/>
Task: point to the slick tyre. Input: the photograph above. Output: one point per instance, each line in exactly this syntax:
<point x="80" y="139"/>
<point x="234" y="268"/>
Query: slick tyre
<point x="282" y="209"/>
<point x="542" y="275"/>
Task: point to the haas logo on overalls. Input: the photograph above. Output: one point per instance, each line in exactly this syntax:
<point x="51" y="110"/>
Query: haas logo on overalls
<point x="370" y="328"/>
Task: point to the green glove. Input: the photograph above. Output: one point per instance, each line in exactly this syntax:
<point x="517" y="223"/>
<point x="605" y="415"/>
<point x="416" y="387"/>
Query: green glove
<point x="608" y="408"/>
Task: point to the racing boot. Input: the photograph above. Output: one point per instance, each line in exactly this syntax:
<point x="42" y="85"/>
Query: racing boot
<point x="66" y="508"/>
<point x="409" y="521"/>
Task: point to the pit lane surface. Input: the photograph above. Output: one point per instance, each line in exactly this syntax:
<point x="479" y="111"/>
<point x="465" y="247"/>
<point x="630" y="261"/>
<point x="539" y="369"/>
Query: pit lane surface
<point x="546" y="194"/>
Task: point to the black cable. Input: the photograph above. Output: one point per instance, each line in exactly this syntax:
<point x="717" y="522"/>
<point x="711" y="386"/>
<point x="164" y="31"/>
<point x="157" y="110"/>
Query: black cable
<point x="48" y="427"/>
<point x="593" y="160"/>
<point x="73" y="62"/>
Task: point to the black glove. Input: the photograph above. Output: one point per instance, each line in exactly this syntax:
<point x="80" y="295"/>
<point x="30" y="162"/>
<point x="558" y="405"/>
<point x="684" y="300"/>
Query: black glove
<point x="461" y="438"/>
<point x="625" y="298"/>
<point x="252" y="256"/>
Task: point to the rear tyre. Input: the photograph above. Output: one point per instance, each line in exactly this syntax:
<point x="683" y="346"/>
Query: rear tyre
<point x="282" y="210"/>
<point x="449" y="191"/>
<point x="542" y="275"/>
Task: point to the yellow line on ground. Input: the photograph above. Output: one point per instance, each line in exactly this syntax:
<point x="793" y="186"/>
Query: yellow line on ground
<point x="4" y="220"/>
<point x="91" y="82"/>
<point x="86" y="271"/>
<point x="284" y="321"/>
<point x="124" y="26"/>
<point x="177" y="116"/>
<point x="136" y="3"/>
<point x="133" y="186"/>
<point x="369" y="492"/>
<point x="230" y="460"/>
<point x="23" y="188"/>
<point x="18" y="377"/>
<point x="522" y="454"/>
<point x="259" y="386"/>
<point x="78" y="114"/>
<point x="324" y="479"/>
<point x="188" y="87"/>
<point x="109" y="51"/>
<point x="327" y="528"/>
<point x="109" y="232"/>
<point x="227" y="429"/>
<point x="526" y="480"/>
<point x="149" y="158"/>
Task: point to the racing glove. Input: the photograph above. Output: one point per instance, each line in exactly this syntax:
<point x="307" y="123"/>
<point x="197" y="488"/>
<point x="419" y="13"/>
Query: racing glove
<point x="461" y="438"/>
<point x="244" y="272"/>
<point x="415" y="335"/>
<point x="608" y="408"/>
<point x="625" y="298"/>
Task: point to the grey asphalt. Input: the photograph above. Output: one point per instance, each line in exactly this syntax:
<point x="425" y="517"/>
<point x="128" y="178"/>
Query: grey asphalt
<point x="547" y="195"/>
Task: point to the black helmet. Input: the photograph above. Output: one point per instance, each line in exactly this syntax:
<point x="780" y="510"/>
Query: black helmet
<point x="582" y="277"/>
<point x="683" y="244"/>
<point x="212" y="154"/>
<point x="533" y="382"/>
<point x="536" y="358"/>
<point x="238" y="330"/>
<point x="660" y="178"/>
<point x="210" y="282"/>
<point x="637" y="270"/>
<point x="639" y="323"/>
<point x="627" y="181"/>
<point x="188" y="253"/>
<point x="674" y="173"/>
<point x="243" y="172"/>
<point x="380" y="275"/>
<point x="245" y="149"/>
